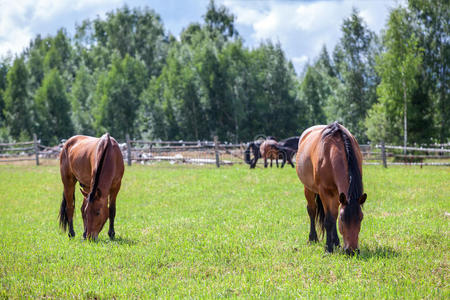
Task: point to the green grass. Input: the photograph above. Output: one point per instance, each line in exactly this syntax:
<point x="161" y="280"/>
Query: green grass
<point x="186" y="231"/>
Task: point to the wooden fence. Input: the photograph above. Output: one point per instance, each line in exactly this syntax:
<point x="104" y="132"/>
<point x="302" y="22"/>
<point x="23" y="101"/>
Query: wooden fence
<point x="423" y="156"/>
<point x="199" y="152"/>
<point x="25" y="151"/>
<point x="216" y="153"/>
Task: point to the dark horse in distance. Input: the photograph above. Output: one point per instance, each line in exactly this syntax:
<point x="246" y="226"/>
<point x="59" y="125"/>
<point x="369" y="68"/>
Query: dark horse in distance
<point x="253" y="149"/>
<point x="97" y="164"/>
<point x="269" y="150"/>
<point x="286" y="149"/>
<point x="329" y="164"/>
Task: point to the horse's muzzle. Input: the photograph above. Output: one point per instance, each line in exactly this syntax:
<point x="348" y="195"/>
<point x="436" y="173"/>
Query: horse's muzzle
<point x="92" y="237"/>
<point x="351" y="252"/>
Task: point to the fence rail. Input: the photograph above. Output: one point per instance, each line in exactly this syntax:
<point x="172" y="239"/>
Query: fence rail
<point x="214" y="152"/>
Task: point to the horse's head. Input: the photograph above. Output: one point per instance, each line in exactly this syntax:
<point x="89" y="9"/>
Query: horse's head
<point x="95" y="214"/>
<point x="350" y="218"/>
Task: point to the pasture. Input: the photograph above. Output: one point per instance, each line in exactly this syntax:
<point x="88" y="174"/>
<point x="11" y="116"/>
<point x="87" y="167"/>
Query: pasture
<point x="187" y="231"/>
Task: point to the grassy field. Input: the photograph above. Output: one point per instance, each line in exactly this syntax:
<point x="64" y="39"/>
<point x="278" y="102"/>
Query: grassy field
<point x="185" y="231"/>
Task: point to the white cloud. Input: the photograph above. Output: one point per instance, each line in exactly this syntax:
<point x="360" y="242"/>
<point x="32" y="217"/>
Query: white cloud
<point x="304" y="27"/>
<point x="21" y="20"/>
<point x="301" y="27"/>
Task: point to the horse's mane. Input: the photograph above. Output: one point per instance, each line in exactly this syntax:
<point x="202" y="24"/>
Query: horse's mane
<point x="101" y="152"/>
<point x="355" y="188"/>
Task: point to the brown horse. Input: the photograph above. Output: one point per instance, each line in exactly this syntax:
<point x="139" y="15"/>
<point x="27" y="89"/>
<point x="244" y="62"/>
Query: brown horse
<point x="329" y="165"/>
<point x="97" y="164"/>
<point x="269" y="150"/>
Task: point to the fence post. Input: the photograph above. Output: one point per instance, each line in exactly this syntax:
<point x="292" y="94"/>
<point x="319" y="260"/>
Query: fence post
<point x="383" y="154"/>
<point x="216" y="150"/>
<point x="36" y="148"/>
<point x="128" y="149"/>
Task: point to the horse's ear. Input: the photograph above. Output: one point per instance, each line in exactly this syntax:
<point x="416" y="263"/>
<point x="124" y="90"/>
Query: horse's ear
<point x="343" y="199"/>
<point x="362" y="199"/>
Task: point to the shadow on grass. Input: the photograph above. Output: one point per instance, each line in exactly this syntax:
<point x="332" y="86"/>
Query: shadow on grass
<point x="377" y="252"/>
<point x="118" y="241"/>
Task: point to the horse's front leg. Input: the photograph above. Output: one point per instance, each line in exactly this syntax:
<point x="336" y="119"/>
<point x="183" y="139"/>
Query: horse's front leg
<point x="331" y="209"/>
<point x="112" y="210"/>
<point x="330" y="227"/>
<point x="83" y="214"/>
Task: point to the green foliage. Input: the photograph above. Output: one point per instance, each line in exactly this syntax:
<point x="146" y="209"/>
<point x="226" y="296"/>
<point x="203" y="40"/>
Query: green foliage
<point x="125" y="74"/>
<point x="314" y="92"/>
<point x="398" y="67"/>
<point x="219" y="21"/>
<point x="190" y="232"/>
<point x="52" y="109"/>
<point x="18" y="107"/>
<point x="354" y="91"/>
<point x="119" y="97"/>
<point x="82" y="103"/>
<point x="4" y="67"/>
<point x="432" y="27"/>
<point x="137" y="33"/>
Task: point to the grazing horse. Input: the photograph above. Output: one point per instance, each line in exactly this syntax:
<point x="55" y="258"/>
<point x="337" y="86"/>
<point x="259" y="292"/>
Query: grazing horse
<point x="97" y="164"/>
<point x="269" y="150"/>
<point x="329" y="164"/>
<point x="287" y="148"/>
<point x="253" y="147"/>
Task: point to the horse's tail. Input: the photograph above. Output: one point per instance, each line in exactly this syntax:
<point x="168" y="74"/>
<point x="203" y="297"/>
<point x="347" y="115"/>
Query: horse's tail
<point x="102" y="148"/>
<point x="320" y="215"/>
<point x="63" y="219"/>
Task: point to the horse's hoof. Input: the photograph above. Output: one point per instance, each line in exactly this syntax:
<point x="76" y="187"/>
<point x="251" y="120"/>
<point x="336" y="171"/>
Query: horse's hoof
<point x="111" y="234"/>
<point x="329" y="249"/>
<point x="313" y="239"/>
<point x="84" y="235"/>
<point x="71" y="234"/>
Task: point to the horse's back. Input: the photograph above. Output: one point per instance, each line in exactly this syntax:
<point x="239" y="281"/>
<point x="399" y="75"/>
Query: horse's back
<point x="78" y="158"/>
<point x="266" y="146"/>
<point x="291" y="142"/>
<point x="316" y="156"/>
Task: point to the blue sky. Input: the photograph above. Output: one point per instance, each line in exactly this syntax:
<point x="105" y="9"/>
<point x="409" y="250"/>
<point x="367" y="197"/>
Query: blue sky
<point x="302" y="27"/>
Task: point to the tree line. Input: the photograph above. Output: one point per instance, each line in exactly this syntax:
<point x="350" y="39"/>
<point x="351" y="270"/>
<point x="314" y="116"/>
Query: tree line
<point x="126" y="74"/>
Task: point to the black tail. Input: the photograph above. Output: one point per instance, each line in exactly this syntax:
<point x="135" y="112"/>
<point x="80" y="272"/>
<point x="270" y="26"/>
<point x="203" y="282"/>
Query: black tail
<point x="320" y="215"/>
<point x="63" y="220"/>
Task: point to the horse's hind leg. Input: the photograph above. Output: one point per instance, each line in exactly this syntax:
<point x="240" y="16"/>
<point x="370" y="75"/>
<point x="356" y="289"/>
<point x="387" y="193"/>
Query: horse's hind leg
<point x="312" y="211"/>
<point x="290" y="159"/>
<point x="112" y="210"/>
